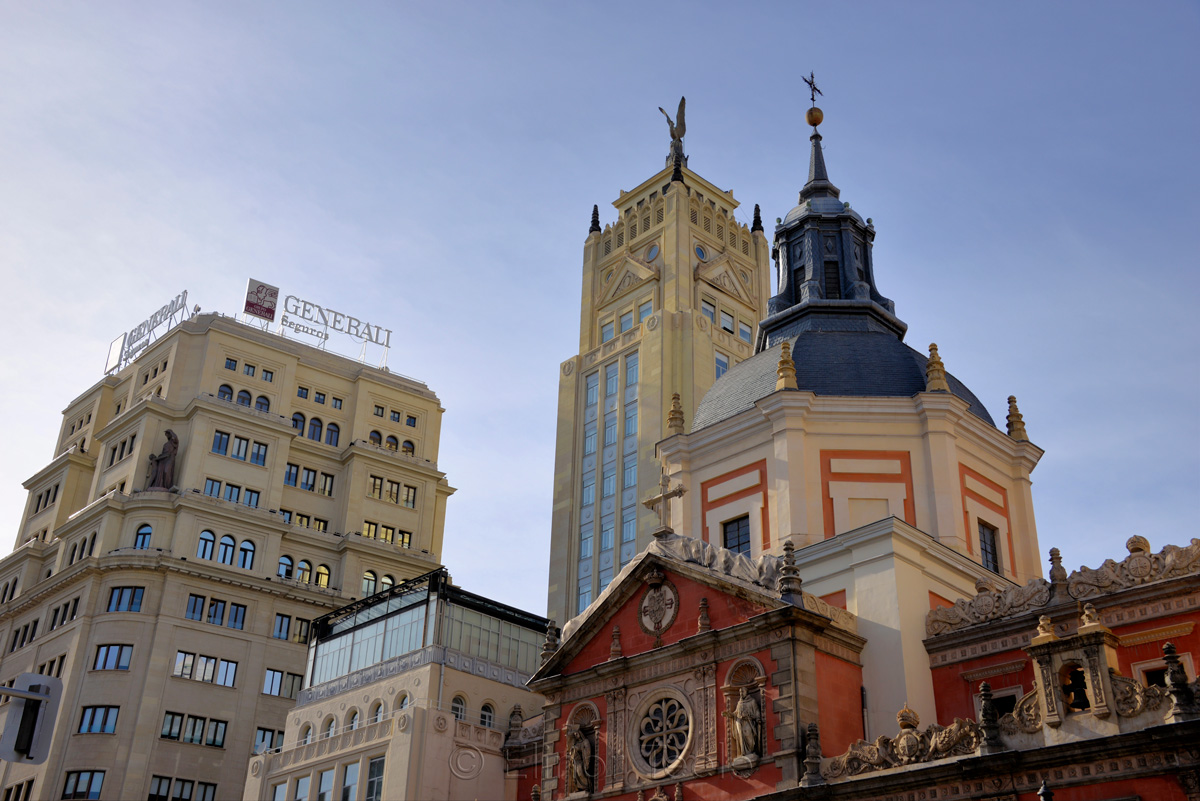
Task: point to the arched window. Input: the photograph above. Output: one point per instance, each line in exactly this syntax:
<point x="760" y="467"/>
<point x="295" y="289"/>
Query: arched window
<point x="298" y="422"/>
<point x="246" y="555"/>
<point x="402" y="703"/>
<point x="408" y="449"/>
<point x="376" y="712"/>
<point x="376" y="438"/>
<point x="331" y="434"/>
<point x="322" y="576"/>
<point x="205" y="548"/>
<point x="70" y="561"/>
<point x="4" y="593"/>
<point x="458" y="708"/>
<point x="225" y="550"/>
<point x="142" y="540"/>
<point x="330" y="727"/>
<point x="305" y="735"/>
<point x="386" y="582"/>
<point x="314" y="429"/>
<point x="352" y="720"/>
<point x="262" y="403"/>
<point x="304" y="571"/>
<point x="487" y="715"/>
<point x="243" y="398"/>
<point x="92" y="544"/>
<point x="285" y="566"/>
<point x="392" y="443"/>
<point x="225" y="393"/>
<point x="369" y="582"/>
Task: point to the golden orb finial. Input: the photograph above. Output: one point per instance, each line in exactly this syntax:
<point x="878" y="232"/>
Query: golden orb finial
<point x="814" y="116"/>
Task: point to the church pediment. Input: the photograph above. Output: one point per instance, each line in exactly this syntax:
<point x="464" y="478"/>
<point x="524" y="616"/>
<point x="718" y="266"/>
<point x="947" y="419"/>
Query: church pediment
<point x="623" y="278"/>
<point x="722" y="274"/>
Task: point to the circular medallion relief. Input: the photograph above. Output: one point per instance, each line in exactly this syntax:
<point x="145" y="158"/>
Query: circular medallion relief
<point x="568" y="368"/>
<point x="652" y="323"/>
<point x="658" y="609"/>
<point x="466" y="762"/>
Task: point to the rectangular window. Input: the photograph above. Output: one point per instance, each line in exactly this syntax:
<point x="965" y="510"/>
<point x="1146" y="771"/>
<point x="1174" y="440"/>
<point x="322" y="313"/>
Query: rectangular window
<point x="631" y="370"/>
<point x="264" y="740"/>
<point x="302" y="520"/>
<point x="232" y="493"/>
<point x="303" y="627"/>
<point x="206" y="791"/>
<point x="272" y="682"/>
<point x="609" y="486"/>
<point x="626" y="321"/>
<point x="629" y="525"/>
<point x="350" y="782"/>
<point x="212" y="487"/>
<point x="308" y="480"/>
<point x="227" y="673"/>
<point x="302" y="393"/>
<point x="268" y="376"/>
<point x="283" y="627"/>
<point x="708" y="310"/>
<point x="83" y="784"/>
<point x="320" y="525"/>
<point x="610" y="430"/>
<point x="644" y="311"/>
<point x="403" y="539"/>
<point x="393" y="492"/>
<point x="379" y="411"/>
<point x="375" y="780"/>
<point x="370" y="530"/>
<point x="286" y="514"/>
<point x="231" y="364"/>
<point x="589" y="441"/>
<point x="606" y="536"/>
<point x="736" y="535"/>
<point x="727" y="322"/>
<point x="250" y="498"/>
<point x="216" y="612"/>
<point x="589" y="492"/>
<point x="722" y="365"/>
<point x="630" y="421"/>
<point x="585" y="597"/>
<point x="249" y="370"/>
<point x="318" y="397"/>
<point x="125" y="599"/>
<point x="606" y="331"/>
<point x="395" y="416"/>
<point x="410" y="497"/>
<point x="112" y="657"/>
<point x="325" y="785"/>
<point x="336" y="403"/>
<point x="292" y="683"/>
<point x="630" y="474"/>
<point x="98" y="720"/>
<point x="326" y="485"/>
<point x="172" y="726"/>
<point x="193" y="732"/>
<point x="387" y="533"/>
<point x="593" y="389"/>
<point x="206" y="668"/>
<point x="240" y="446"/>
<point x="237" y="616"/>
<point x="375" y="487"/>
<point x="160" y="789"/>
<point x="410" y="421"/>
<point x="183" y="790"/>
<point x="745" y="332"/>
<point x="610" y="380"/>
<point x="988" y="554"/>
<point x="291" y="474"/>
<point x="220" y="442"/>
<point x="184" y="664"/>
<point x="258" y="453"/>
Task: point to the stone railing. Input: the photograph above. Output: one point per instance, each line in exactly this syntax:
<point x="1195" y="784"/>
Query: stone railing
<point x="345" y="739"/>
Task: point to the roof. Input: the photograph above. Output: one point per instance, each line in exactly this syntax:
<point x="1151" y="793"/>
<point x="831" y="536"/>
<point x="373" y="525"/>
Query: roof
<point x="838" y="363"/>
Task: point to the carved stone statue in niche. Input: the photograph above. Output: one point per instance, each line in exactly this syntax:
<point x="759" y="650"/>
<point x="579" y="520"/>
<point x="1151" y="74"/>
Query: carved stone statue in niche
<point x="162" y="467"/>
<point x="579" y="762"/>
<point x="746" y="729"/>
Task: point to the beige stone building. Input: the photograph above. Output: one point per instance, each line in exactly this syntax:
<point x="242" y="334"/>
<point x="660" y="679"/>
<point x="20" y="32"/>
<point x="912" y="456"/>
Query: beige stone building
<point x="418" y="693"/>
<point x="672" y="294"/>
<point x="288" y="481"/>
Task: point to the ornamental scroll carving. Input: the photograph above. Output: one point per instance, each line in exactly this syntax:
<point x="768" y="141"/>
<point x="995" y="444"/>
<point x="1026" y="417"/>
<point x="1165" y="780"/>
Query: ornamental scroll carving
<point x="987" y="605"/>
<point x="1131" y="698"/>
<point x="1025" y="717"/>
<point x="1140" y="567"/>
<point x="910" y="746"/>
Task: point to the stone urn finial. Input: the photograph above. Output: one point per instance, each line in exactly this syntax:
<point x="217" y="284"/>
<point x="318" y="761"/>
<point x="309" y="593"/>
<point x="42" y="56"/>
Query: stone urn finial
<point x="935" y="372"/>
<point x="1016" y="423"/>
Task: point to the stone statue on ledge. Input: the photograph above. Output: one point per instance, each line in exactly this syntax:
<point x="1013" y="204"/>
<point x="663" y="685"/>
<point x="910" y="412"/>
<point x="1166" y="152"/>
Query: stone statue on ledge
<point x="162" y="467"/>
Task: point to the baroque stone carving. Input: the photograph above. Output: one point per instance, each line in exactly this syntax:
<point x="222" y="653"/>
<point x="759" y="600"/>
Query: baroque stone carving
<point x="1131" y="698"/>
<point x="579" y="760"/>
<point x="910" y="746"/>
<point x="162" y="466"/>
<point x="763" y="571"/>
<point x="987" y="605"/>
<point x="1025" y="717"/>
<point x="659" y="606"/>
<point x="746" y="727"/>
<point x="1140" y="567"/>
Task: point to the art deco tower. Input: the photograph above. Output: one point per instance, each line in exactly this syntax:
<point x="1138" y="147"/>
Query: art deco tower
<point x="672" y="293"/>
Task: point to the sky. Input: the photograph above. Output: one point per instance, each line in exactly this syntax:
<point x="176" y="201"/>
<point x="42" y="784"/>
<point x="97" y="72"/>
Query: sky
<point x="1030" y="167"/>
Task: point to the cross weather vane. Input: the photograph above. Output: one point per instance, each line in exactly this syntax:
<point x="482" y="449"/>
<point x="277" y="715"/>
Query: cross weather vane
<point x="813" y="91"/>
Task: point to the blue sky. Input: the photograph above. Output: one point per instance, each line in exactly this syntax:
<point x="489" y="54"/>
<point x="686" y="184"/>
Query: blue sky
<point x="1030" y="168"/>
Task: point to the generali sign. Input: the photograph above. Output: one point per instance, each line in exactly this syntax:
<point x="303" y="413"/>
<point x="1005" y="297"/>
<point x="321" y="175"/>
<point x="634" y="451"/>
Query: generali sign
<point x="305" y="317"/>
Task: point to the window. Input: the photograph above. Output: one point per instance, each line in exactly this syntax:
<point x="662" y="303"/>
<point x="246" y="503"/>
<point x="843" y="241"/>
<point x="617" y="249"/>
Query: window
<point x="626" y="321"/>
<point x="268" y="376"/>
<point x="215" y="734"/>
<point x="386" y="582"/>
<point x="250" y="498"/>
<point x="285" y="567"/>
<point x="292" y="683"/>
<point x="225" y="550"/>
<point x="370" y="530"/>
<point x="335" y="403"/>
<point x="283" y="627"/>
<point x="258" y="454"/>
<point x="320" y="525"/>
<point x="631" y="372"/>
<point x="722" y="365"/>
<point x="246" y="553"/>
<point x="193" y="732"/>
<point x="606" y="535"/>
<point x="589" y="491"/>
<point x="375" y="780"/>
<point x="216" y="612"/>
<point x="487" y="715"/>
<point x="458" y="708"/>
<point x="225" y="392"/>
<point x="206" y="791"/>
<point x="988" y="554"/>
<point x="233" y="493"/>
<point x="142" y="540"/>
<point x="378" y="411"/>
<point x="272" y="682"/>
<point x="160" y="788"/>
<point x="630" y="474"/>
<point x="302" y="393"/>
<point x="298" y="422"/>
<point x="98" y="720"/>
<point x="375" y="487"/>
<point x="248" y="370"/>
<point x="376" y="714"/>
<point x="745" y="332"/>
<point x="631" y="420"/>
<point x="243" y="398"/>
<point x="237" y="616"/>
<point x="308" y="481"/>
<point x="315" y="427"/>
<point x="410" y="421"/>
<point x="212" y="488"/>
<point x="303" y="628"/>
<point x="610" y="380"/>
<point x="240" y="446"/>
<point x="589" y="441"/>
<point x="392" y="443"/>
<point x="318" y="397"/>
<point x="403" y="539"/>
<point x="737" y="535"/>
<point x="387" y="533"/>
<point x="593" y="389"/>
<point x="395" y="416"/>
<point x="226" y="673"/>
<point x="220" y="442"/>
<point x="727" y="322"/>
<point x="331" y="434"/>
<point x="376" y="438"/>
<point x="629" y="525"/>
<point x="644" y="311"/>
<point x="266" y="739"/>
<point x="322" y="576"/>
<point x="330" y="730"/>
<point x="112" y="657"/>
<point x="609" y="484"/>
<point x="326" y="485"/>
<point x="408" y="448"/>
<point x="172" y="726"/>
<point x="304" y="571"/>
<point x="195" y="607"/>
<point x="708" y="310"/>
<point x="610" y="430"/>
<point x="262" y="403"/>
<point x="325" y="783"/>
<point x="606" y="331"/>
<point x="125" y="599"/>
<point x="231" y="364"/>
<point x="369" y="582"/>
<point x="303" y="782"/>
<point x="410" y="497"/>
<point x="86" y="783"/>
<point x="290" y="474"/>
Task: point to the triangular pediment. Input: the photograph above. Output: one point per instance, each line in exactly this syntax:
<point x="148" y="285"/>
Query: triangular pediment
<point x="623" y="278"/>
<point x="722" y="274"/>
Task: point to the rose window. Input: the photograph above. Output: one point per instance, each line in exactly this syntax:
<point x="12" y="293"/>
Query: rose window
<point x="663" y="733"/>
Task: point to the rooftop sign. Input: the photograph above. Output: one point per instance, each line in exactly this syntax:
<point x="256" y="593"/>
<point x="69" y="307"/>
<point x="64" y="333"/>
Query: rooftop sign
<point x="126" y="347"/>
<point x="322" y="319"/>
<point x="261" y="300"/>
